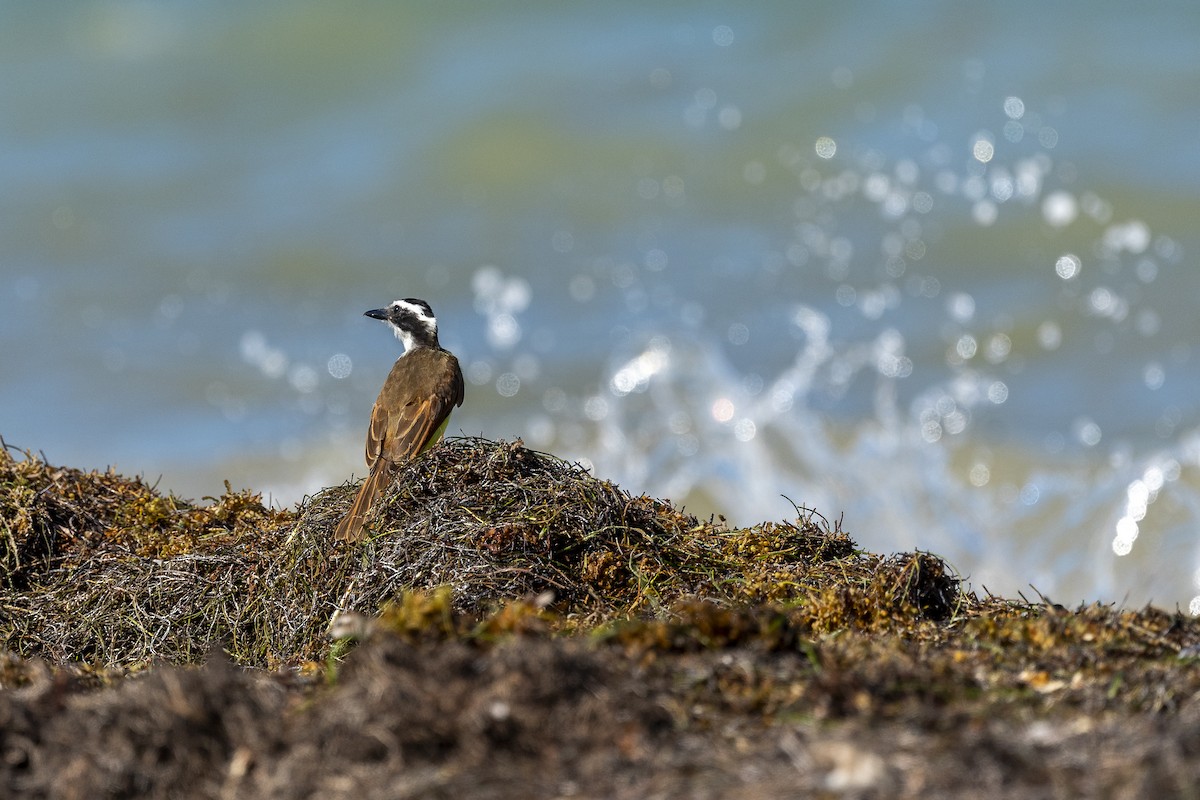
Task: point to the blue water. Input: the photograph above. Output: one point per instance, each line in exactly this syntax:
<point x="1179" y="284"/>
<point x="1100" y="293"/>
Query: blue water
<point x="929" y="268"/>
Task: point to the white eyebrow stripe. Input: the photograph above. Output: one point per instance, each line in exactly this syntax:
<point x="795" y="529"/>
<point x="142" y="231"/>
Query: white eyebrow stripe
<point x="415" y="310"/>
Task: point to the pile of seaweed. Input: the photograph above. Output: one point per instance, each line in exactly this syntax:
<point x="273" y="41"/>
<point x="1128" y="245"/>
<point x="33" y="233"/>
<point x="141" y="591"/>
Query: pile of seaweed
<point x="104" y="570"/>
<point x="510" y="615"/>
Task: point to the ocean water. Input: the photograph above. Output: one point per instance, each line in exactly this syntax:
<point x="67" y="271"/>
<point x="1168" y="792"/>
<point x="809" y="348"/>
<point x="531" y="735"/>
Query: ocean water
<point x="927" y="268"/>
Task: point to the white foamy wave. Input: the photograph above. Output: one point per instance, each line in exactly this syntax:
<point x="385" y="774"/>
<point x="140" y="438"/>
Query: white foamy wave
<point x="936" y="417"/>
<point x="1001" y="513"/>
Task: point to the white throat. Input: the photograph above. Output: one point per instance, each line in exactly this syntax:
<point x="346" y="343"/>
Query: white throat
<point x="404" y="336"/>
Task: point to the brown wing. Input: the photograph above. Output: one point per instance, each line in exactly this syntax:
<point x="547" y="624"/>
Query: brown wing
<point x="417" y="397"/>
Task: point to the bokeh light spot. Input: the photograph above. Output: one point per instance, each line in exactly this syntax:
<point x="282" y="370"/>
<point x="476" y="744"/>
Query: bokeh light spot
<point x="508" y="384"/>
<point x="979" y="475"/>
<point x="983" y="150"/>
<point x="303" y="378"/>
<point x="1059" y="209"/>
<point x="1067" y="266"/>
<point x="985" y="212"/>
<point x="961" y="306"/>
<point x="1014" y="107"/>
<point x="339" y="366"/>
<point x="1087" y="432"/>
<point x="729" y="118"/>
<point x="1154" y="375"/>
<point x="722" y="409"/>
<point x="596" y="408"/>
<point x="1049" y="335"/>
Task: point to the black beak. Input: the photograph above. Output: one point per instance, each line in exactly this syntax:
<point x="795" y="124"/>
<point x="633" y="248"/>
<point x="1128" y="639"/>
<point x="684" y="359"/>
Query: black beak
<point x="378" y="313"/>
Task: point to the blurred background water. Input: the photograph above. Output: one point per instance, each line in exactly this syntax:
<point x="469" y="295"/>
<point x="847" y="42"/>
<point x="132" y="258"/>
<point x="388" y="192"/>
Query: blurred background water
<point x="929" y="268"/>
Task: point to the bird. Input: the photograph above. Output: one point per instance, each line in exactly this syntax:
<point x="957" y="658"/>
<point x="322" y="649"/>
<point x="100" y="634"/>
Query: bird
<point x="413" y="407"/>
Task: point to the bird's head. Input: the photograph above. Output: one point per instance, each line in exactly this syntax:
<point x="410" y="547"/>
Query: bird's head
<point x="412" y="321"/>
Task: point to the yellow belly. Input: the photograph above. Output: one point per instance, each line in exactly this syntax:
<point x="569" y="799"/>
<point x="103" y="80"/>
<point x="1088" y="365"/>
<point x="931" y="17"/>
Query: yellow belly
<point x="437" y="435"/>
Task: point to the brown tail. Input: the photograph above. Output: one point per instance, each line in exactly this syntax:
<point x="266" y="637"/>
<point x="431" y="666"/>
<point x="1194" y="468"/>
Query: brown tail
<point x="350" y="529"/>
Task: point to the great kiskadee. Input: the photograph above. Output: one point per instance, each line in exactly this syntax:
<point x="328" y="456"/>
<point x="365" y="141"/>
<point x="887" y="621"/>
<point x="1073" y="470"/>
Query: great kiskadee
<point x="414" y="405"/>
